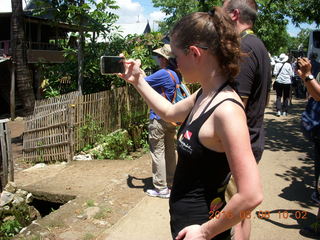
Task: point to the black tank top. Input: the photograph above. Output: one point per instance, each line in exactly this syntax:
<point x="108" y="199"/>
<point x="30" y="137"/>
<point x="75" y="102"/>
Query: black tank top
<point x="201" y="176"/>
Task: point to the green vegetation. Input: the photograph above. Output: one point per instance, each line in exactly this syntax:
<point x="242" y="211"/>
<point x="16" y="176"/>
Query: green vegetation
<point x="102" y="213"/>
<point x="62" y="78"/>
<point x="116" y="145"/>
<point x="270" y="26"/>
<point x="90" y="203"/>
<point x="9" y="228"/>
<point x="13" y="220"/>
<point x="90" y="130"/>
<point x="89" y="236"/>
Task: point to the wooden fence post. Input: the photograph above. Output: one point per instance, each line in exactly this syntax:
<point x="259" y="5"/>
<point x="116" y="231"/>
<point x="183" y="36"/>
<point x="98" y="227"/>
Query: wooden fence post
<point x="6" y="166"/>
<point x="71" y="124"/>
<point x="10" y="158"/>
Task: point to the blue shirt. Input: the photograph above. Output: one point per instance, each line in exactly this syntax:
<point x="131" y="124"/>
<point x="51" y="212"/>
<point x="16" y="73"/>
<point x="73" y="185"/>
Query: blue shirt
<point x="162" y="82"/>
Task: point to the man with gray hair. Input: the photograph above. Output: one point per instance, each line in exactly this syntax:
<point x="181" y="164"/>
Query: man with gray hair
<point x="253" y="85"/>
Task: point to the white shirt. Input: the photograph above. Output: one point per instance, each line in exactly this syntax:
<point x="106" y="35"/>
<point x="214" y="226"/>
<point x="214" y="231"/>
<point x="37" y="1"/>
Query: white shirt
<point x="286" y="73"/>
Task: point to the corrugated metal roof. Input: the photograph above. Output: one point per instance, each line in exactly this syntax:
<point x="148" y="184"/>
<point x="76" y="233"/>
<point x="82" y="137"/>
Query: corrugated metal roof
<point x="134" y="28"/>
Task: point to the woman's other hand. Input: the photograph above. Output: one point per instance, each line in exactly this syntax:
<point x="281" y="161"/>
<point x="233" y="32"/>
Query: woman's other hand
<point x="192" y="232"/>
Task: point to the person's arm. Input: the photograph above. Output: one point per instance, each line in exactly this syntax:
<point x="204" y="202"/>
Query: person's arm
<point x="165" y="109"/>
<point x="234" y="135"/>
<point x="304" y="71"/>
<point x="276" y="69"/>
<point x="291" y="72"/>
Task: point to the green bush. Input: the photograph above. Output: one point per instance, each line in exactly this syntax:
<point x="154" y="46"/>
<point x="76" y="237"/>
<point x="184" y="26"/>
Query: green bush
<point x="9" y="228"/>
<point x="116" y="145"/>
<point x="90" y="131"/>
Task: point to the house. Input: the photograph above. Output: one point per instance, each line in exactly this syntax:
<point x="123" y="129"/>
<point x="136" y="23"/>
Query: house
<point x="134" y="28"/>
<point x="42" y="37"/>
<point x="125" y="29"/>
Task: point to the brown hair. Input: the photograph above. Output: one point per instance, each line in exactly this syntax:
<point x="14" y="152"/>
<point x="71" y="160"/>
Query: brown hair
<point x="215" y="30"/>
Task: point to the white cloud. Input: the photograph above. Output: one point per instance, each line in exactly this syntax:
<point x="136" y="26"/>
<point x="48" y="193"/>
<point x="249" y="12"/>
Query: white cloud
<point x="157" y="16"/>
<point x="131" y="11"/>
<point x="5" y="5"/>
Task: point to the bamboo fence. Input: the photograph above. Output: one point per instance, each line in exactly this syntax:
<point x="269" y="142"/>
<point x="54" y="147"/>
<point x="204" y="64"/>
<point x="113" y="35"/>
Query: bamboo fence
<point x="59" y="126"/>
<point x="109" y="111"/>
<point x="6" y="160"/>
<point x="47" y="132"/>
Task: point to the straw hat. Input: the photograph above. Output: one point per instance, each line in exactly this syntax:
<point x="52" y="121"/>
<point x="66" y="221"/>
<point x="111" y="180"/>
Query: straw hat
<point x="283" y="58"/>
<point x="164" y="51"/>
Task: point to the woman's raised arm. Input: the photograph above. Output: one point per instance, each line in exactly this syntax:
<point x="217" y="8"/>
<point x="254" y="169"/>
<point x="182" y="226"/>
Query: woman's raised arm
<point x="165" y="109"/>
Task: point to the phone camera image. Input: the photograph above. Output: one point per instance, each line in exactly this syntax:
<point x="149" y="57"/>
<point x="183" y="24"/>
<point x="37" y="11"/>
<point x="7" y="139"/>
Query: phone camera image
<point x="111" y="65"/>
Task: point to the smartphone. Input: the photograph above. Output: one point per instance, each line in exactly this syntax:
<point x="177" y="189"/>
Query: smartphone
<point x="111" y="65"/>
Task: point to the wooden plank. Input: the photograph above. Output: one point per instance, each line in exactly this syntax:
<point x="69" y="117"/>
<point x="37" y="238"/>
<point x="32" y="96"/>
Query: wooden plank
<point x="71" y="132"/>
<point x="46" y="128"/>
<point x="12" y="93"/>
<point x="4" y="155"/>
<point x="10" y="158"/>
<point x="45" y="146"/>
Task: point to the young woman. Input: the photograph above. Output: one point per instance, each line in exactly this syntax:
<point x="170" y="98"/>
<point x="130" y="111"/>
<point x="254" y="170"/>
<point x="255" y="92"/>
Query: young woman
<point x="214" y="138"/>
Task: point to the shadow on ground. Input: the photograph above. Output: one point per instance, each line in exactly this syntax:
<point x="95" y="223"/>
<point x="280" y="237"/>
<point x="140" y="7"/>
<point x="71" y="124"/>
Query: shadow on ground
<point x="136" y="182"/>
<point x="284" y="134"/>
<point x="278" y="217"/>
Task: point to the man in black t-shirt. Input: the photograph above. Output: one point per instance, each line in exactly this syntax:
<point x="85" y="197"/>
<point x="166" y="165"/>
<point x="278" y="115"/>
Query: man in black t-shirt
<point x="254" y="79"/>
<point x="253" y="85"/>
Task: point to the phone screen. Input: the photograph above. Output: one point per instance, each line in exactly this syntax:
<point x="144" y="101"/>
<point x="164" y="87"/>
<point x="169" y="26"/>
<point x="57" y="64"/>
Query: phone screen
<point x="111" y="65"/>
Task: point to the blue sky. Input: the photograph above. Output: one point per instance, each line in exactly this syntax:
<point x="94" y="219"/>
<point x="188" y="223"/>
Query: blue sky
<point x="293" y="31"/>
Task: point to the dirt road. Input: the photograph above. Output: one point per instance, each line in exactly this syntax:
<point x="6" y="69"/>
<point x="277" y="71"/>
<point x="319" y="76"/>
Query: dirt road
<point x="115" y="190"/>
<point x="287" y="176"/>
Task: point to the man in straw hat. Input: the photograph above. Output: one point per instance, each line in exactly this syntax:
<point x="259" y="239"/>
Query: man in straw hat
<point x="161" y="133"/>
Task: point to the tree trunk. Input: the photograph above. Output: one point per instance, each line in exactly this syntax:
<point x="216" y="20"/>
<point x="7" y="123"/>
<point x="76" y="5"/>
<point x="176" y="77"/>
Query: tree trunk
<point x="81" y="53"/>
<point x="80" y="61"/>
<point x="18" y="46"/>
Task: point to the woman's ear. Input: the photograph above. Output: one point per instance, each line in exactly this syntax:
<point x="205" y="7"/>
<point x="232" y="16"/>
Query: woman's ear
<point x="195" y="51"/>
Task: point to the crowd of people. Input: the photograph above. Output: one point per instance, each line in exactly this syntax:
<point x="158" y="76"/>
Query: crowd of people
<point x="221" y="139"/>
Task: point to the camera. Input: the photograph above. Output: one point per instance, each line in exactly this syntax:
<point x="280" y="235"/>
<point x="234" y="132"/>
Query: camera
<point x="111" y="65"/>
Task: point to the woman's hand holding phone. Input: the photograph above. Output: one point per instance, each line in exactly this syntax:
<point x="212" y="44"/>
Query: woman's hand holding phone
<point x="132" y="72"/>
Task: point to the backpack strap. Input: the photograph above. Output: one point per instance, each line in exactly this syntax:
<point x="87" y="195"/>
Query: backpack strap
<point x="172" y="77"/>
<point x="280" y="71"/>
<point x="176" y="86"/>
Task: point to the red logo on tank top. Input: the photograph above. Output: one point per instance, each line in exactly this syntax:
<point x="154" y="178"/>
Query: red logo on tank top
<point x="188" y="135"/>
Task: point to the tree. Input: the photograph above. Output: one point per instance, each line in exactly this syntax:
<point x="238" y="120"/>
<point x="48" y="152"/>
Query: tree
<point x="18" y="45"/>
<point x="307" y="11"/>
<point x="88" y="16"/>
<point x="271" y="27"/>
<point x="176" y="9"/>
<point x="273" y="17"/>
